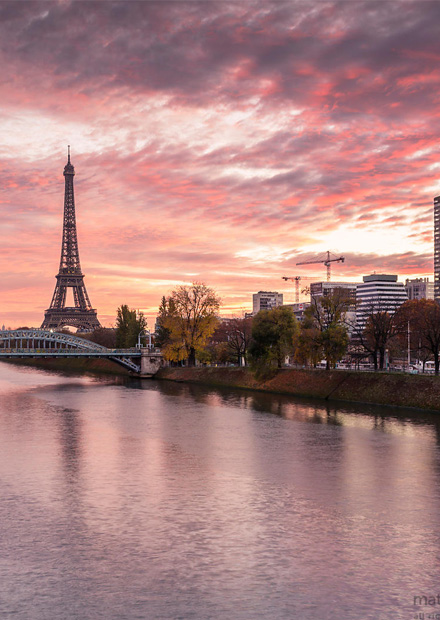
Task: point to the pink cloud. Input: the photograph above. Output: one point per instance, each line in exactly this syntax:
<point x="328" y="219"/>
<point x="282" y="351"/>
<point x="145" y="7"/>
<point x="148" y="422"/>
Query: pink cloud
<point x="212" y="141"/>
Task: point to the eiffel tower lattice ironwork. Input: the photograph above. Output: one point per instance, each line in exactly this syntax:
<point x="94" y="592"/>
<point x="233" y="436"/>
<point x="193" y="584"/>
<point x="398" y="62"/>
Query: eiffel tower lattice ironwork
<point x="82" y="315"/>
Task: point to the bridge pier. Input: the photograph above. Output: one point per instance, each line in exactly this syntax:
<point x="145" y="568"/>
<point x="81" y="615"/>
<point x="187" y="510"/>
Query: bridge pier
<point x="151" y="361"/>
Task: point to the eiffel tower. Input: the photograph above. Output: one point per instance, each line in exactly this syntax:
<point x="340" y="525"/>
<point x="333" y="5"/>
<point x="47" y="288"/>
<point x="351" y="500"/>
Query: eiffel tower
<point x="82" y="315"/>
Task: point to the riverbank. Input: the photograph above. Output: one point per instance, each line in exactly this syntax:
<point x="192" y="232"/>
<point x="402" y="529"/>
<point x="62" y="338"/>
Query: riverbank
<point x="397" y="390"/>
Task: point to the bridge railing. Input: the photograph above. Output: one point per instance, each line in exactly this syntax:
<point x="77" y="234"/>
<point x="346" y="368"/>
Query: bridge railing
<point x="73" y="351"/>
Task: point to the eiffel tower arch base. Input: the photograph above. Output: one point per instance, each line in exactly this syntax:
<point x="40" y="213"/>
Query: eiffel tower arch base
<point x="83" y="320"/>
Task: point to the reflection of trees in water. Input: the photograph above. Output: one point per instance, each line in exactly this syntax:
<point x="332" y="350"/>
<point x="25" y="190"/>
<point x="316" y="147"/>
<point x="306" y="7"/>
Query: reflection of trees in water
<point x="71" y="490"/>
<point x="70" y="439"/>
<point x="311" y="410"/>
<point x="69" y="427"/>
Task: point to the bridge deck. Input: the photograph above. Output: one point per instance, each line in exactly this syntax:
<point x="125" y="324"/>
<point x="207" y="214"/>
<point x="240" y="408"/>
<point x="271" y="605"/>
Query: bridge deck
<point x="40" y="343"/>
<point x="69" y="353"/>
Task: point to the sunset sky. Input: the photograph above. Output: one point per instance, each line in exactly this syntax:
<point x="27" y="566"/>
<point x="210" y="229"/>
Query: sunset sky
<point x="215" y="141"/>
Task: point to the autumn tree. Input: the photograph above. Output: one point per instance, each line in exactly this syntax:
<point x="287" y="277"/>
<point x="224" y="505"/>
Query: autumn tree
<point x="430" y="322"/>
<point x="166" y="310"/>
<point x="309" y="346"/>
<point x="423" y="316"/>
<point x="236" y="333"/>
<point x="273" y="337"/>
<point x="334" y="343"/>
<point x="222" y="353"/>
<point x="191" y="322"/>
<point x="324" y="330"/>
<point x="129" y="324"/>
<point x="215" y="353"/>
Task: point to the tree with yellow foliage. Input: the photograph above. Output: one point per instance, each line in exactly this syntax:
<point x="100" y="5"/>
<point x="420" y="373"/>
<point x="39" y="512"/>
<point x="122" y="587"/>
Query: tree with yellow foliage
<point x="192" y="321"/>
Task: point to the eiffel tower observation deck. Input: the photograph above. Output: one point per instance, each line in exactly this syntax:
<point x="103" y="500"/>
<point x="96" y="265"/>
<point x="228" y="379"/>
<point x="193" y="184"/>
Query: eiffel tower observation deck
<point x="81" y="315"/>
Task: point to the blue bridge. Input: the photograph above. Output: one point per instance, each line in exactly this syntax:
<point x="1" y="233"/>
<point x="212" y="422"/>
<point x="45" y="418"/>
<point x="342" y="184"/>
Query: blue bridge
<point x="40" y="343"/>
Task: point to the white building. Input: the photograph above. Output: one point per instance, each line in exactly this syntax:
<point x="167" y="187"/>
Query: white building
<point x="419" y="288"/>
<point x="266" y="300"/>
<point x="379" y="292"/>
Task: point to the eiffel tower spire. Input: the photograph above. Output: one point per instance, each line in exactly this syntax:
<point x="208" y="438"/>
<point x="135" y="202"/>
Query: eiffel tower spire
<point x="82" y="315"/>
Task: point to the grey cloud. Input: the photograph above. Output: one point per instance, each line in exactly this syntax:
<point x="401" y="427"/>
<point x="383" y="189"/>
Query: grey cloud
<point x="187" y="48"/>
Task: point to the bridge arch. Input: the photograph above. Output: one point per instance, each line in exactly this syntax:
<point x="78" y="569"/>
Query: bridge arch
<point x="47" y="343"/>
<point x="45" y="336"/>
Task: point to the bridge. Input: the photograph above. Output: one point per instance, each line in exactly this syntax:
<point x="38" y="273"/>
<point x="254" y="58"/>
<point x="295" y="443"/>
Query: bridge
<point x="40" y="343"/>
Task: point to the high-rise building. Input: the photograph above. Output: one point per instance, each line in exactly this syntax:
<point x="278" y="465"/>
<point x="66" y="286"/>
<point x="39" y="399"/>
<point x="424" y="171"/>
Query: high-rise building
<point x="378" y="292"/>
<point x="437" y="248"/>
<point x="266" y="300"/>
<point x="419" y="288"/>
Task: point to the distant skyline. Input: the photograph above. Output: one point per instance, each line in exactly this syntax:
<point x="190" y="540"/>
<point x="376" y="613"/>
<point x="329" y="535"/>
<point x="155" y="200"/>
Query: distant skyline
<point x="212" y="141"/>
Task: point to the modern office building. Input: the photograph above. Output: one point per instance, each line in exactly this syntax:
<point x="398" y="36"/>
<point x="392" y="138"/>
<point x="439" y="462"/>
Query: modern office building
<point x="419" y="288"/>
<point x="266" y="300"/>
<point x="378" y="292"/>
<point x="437" y="248"/>
<point x="322" y="289"/>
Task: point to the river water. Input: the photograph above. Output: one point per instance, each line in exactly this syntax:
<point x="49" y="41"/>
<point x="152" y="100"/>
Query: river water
<point x="160" y="500"/>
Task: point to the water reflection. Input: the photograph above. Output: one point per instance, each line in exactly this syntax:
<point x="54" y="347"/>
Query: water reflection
<point x="163" y="500"/>
<point x="70" y="441"/>
<point x="387" y="419"/>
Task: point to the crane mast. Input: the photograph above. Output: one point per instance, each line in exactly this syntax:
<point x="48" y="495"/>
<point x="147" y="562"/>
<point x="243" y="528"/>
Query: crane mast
<point x="295" y="279"/>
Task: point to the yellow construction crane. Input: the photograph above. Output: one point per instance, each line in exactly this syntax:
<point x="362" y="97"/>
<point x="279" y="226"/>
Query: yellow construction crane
<point x="295" y="279"/>
<point x="324" y="258"/>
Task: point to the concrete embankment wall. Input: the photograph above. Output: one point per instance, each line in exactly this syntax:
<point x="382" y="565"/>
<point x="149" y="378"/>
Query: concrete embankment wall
<point x="398" y="390"/>
<point x="77" y="365"/>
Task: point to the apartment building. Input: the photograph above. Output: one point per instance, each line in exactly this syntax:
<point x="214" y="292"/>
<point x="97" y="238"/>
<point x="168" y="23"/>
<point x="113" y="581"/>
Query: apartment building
<point x="266" y="300"/>
<point x="419" y="288"/>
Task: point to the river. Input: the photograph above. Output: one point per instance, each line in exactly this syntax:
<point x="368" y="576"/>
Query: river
<point x="147" y="500"/>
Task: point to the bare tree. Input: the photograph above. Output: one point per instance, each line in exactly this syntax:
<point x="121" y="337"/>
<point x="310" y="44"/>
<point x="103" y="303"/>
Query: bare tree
<point x="239" y="333"/>
<point x="423" y="316"/>
<point x="376" y="334"/>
